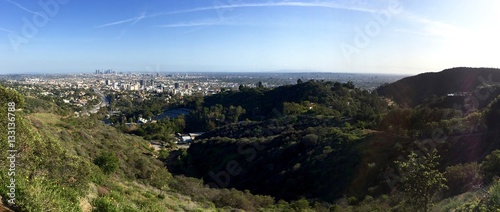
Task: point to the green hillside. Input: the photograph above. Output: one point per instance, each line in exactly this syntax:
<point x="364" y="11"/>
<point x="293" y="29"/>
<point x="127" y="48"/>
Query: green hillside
<point x="349" y="153"/>
<point x="312" y="146"/>
<point x="80" y="164"/>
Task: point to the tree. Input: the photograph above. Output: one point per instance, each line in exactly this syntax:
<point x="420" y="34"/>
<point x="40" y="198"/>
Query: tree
<point x="259" y="85"/>
<point x="491" y="166"/>
<point x="491" y="115"/>
<point x="420" y="179"/>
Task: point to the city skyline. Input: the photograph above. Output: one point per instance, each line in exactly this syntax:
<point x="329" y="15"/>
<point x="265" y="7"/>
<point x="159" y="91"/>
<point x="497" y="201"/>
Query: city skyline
<point x="398" y="37"/>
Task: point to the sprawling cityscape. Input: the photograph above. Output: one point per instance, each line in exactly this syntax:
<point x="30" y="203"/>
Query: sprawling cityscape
<point x="94" y="87"/>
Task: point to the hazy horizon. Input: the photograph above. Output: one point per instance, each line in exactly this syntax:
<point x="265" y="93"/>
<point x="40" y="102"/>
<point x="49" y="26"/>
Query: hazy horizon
<point x="200" y="72"/>
<point x="386" y="36"/>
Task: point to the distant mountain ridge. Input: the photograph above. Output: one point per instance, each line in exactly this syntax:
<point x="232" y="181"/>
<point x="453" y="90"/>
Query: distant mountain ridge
<point x="414" y="90"/>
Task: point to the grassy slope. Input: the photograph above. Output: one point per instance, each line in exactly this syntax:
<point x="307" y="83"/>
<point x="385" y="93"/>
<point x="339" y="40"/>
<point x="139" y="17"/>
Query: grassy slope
<point x="55" y="169"/>
<point x="57" y="173"/>
<point x="129" y="188"/>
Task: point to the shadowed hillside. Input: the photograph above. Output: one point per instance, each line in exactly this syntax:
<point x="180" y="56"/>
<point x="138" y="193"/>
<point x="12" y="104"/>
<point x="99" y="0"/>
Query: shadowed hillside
<point x="414" y="90"/>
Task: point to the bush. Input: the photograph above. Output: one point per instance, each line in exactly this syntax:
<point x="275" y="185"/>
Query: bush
<point x="103" y="204"/>
<point x="163" y="154"/>
<point x="462" y="178"/>
<point x="108" y="162"/>
<point x="493" y="200"/>
<point x="490" y="167"/>
<point x="490" y="202"/>
<point x="300" y="205"/>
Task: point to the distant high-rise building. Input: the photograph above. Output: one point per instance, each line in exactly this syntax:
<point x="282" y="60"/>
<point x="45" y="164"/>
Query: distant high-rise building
<point x="176" y="85"/>
<point x="141" y="82"/>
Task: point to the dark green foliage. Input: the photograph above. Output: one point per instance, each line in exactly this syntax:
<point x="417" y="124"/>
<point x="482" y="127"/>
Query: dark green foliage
<point x="207" y="118"/>
<point x="492" y="115"/>
<point x="108" y="162"/>
<point x="134" y="108"/>
<point x="279" y="156"/>
<point x="104" y="204"/>
<point x="311" y="98"/>
<point x="488" y="202"/>
<point x="421" y="121"/>
<point x="300" y="205"/>
<point x="491" y="166"/>
<point x="160" y="130"/>
<point x="307" y="135"/>
<point x="221" y="197"/>
<point x="462" y="178"/>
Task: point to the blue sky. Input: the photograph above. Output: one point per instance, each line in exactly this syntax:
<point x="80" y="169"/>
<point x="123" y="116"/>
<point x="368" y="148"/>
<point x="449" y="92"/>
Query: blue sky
<point x="377" y="36"/>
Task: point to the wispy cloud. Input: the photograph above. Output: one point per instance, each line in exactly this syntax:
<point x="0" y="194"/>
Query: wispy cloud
<point x="202" y="23"/>
<point x="190" y="24"/>
<point x="330" y="5"/>
<point x="133" y="21"/>
<point x="6" y="30"/>
<point x="22" y="7"/>
<point x="229" y="6"/>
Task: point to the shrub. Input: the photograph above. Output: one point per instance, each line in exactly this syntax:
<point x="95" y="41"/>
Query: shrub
<point x="300" y="205"/>
<point x="103" y="204"/>
<point x="108" y="162"/>
<point x="490" y="202"/>
<point x="462" y="178"/>
<point x="163" y="154"/>
<point x="493" y="200"/>
<point x="490" y="167"/>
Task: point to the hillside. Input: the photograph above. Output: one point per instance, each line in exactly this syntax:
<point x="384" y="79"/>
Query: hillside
<point x="414" y="90"/>
<point x="298" y="141"/>
<point x="80" y="164"/>
<point x="308" y="98"/>
<point x="314" y="145"/>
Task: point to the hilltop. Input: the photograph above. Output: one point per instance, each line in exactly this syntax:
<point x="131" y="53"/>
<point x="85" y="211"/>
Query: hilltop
<point x="415" y="90"/>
